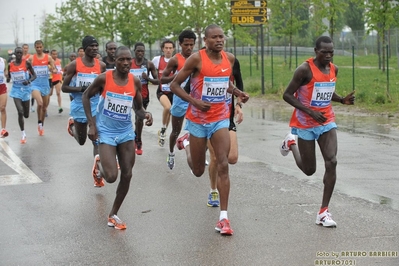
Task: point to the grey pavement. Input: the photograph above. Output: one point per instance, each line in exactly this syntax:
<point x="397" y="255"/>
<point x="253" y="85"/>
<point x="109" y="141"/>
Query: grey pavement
<point x="52" y="215"/>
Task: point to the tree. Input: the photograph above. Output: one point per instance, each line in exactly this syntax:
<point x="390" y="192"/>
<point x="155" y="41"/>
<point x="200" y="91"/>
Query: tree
<point x="380" y="16"/>
<point x="354" y="15"/>
<point x="15" y="28"/>
<point x="331" y="12"/>
<point x="285" y="20"/>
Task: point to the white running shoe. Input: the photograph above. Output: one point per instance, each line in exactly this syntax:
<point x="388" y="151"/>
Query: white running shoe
<point x="325" y="219"/>
<point x="287" y="142"/>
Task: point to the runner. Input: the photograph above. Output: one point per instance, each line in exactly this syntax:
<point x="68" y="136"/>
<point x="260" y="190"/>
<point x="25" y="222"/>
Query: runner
<point x="109" y="59"/>
<point x="164" y="94"/>
<point x="81" y="52"/>
<point x="237" y="115"/>
<point x="41" y="63"/>
<point x="310" y="92"/>
<point x="21" y="73"/>
<point x="208" y="114"/>
<point x="57" y="80"/>
<point x="179" y="107"/>
<point x="80" y="74"/>
<point x="120" y="91"/>
<point x="141" y="67"/>
<point x="72" y="56"/>
<point x="25" y="50"/>
<point x="3" y="96"/>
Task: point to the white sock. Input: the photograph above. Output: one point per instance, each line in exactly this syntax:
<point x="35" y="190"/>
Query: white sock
<point x="214" y="190"/>
<point x="186" y="143"/>
<point x="40" y="125"/>
<point x="223" y="215"/>
<point x="23" y="133"/>
<point x="171" y="153"/>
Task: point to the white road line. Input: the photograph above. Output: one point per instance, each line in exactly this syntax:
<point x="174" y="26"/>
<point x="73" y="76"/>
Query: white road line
<point x="25" y="175"/>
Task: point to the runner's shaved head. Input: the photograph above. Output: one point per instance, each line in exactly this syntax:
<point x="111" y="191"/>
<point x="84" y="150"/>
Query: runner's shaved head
<point x="121" y="49"/>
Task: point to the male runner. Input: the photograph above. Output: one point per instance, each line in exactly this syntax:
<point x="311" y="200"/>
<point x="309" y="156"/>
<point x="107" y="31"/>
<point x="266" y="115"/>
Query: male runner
<point x="310" y="92"/>
<point x="141" y="67"/>
<point x="109" y="59"/>
<point x="120" y="93"/>
<point x="25" y="50"/>
<point x="164" y="94"/>
<point x="179" y="107"/>
<point x="208" y="114"/>
<point x="41" y="63"/>
<point x="56" y="80"/>
<point x="81" y="51"/>
<point x="21" y="73"/>
<point x="80" y="74"/>
<point x="237" y="115"/>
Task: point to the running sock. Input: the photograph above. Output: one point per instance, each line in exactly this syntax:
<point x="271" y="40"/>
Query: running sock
<point x="40" y="125"/>
<point x="23" y="133"/>
<point x="223" y="215"/>
<point x="185" y="143"/>
<point x="171" y="153"/>
<point x="214" y="190"/>
<point x="323" y="210"/>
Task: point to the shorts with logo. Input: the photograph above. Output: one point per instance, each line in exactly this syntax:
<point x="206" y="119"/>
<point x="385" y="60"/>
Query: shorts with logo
<point x="313" y="133"/>
<point x="22" y="93"/>
<point x="3" y="89"/>
<point x="205" y="130"/>
<point x="116" y="139"/>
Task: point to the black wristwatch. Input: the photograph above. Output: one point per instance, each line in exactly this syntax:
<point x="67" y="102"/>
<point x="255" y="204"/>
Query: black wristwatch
<point x="239" y="104"/>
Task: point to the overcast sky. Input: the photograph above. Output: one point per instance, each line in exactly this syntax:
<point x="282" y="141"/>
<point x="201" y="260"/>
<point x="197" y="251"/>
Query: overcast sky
<point x="27" y="11"/>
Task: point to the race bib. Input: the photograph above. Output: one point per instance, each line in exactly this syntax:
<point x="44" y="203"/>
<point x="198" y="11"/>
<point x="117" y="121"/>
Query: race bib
<point x="18" y="77"/>
<point x="214" y="89"/>
<point x="84" y="79"/>
<point x="322" y="94"/>
<point x="41" y="71"/>
<point x="138" y="72"/>
<point x="118" y="106"/>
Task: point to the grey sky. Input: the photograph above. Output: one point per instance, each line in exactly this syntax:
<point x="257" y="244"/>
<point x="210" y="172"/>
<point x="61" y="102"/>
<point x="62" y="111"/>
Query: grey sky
<point x="30" y="11"/>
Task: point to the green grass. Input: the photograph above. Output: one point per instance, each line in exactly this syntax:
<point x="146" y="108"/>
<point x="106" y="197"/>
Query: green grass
<point x="370" y="83"/>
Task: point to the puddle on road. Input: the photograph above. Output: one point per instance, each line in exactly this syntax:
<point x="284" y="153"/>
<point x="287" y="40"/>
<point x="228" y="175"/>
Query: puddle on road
<point x="382" y="125"/>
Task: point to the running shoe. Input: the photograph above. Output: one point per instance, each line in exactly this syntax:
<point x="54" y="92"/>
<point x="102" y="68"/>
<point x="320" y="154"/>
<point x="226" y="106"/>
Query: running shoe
<point x="4" y="133"/>
<point x="23" y="140"/>
<point x="161" y="137"/>
<point x="32" y="109"/>
<point x="285" y="146"/>
<point x="98" y="180"/>
<point x="179" y="141"/>
<point x="60" y="110"/>
<point x="223" y="227"/>
<point x="213" y="199"/>
<point x="171" y="161"/>
<point x="325" y="219"/>
<point x="116" y="223"/>
<point x="69" y="127"/>
<point x="40" y="129"/>
<point x="139" y="147"/>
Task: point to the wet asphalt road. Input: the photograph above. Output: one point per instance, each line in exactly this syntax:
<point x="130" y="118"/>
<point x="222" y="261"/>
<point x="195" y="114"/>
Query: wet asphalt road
<point x="52" y="215"/>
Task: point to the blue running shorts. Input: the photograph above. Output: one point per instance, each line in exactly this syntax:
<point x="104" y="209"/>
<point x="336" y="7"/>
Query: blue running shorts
<point x="313" y="133"/>
<point x="206" y="130"/>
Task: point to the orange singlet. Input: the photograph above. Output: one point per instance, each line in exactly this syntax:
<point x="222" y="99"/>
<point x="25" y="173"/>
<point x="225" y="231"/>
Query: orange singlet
<point x="316" y="95"/>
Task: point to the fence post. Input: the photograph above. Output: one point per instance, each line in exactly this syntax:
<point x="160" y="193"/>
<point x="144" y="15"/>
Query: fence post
<point x="250" y="61"/>
<point x="353" y="67"/>
<point x="271" y="55"/>
<point x="387" y="70"/>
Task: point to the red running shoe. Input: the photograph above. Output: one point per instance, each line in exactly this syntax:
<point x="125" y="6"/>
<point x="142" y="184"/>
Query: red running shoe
<point x="179" y="141"/>
<point x="223" y="227"/>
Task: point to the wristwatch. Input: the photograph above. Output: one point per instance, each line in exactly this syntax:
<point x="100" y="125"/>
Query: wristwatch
<point x="239" y="104"/>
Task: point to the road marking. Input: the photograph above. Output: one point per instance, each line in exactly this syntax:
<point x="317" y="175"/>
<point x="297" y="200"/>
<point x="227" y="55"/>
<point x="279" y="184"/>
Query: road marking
<point x="24" y="176"/>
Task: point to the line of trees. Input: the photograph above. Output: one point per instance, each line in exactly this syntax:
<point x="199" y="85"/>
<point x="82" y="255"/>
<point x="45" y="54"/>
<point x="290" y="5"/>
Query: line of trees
<point x="130" y="21"/>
